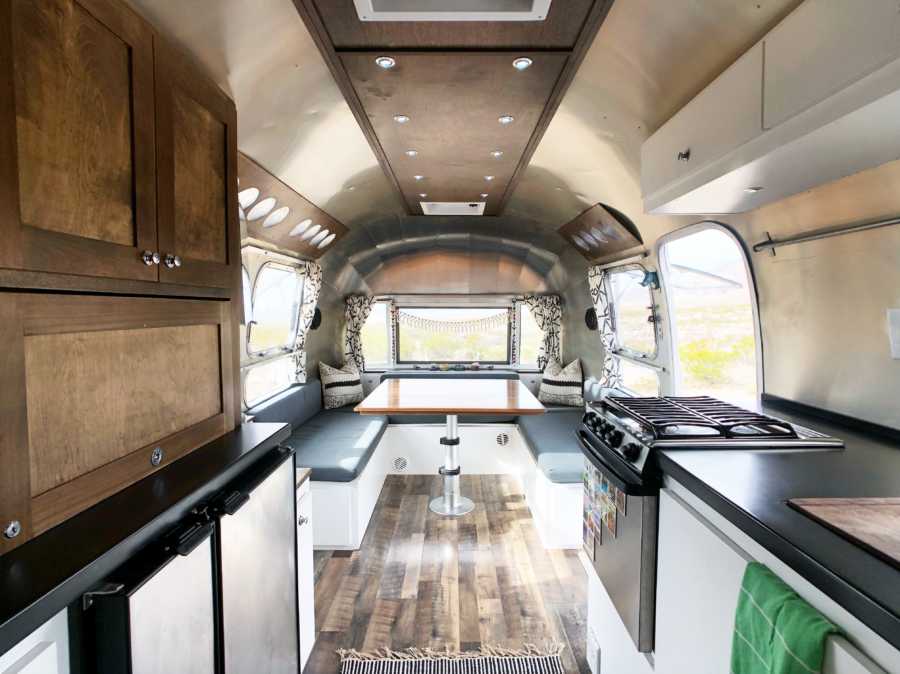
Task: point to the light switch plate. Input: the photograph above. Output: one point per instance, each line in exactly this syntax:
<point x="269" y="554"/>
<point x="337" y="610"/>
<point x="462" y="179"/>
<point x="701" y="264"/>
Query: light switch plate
<point x="893" y="319"/>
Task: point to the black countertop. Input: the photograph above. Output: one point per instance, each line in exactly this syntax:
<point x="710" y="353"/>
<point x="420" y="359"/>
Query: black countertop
<point x="750" y="489"/>
<point x="46" y="574"/>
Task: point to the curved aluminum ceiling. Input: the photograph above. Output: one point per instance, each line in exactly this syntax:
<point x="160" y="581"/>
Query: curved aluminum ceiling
<point x="649" y="59"/>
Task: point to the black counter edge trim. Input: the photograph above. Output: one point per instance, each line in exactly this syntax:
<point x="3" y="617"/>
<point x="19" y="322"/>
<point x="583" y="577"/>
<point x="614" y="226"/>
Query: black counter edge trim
<point x="862" y="606"/>
<point x="17" y="622"/>
<point x="858" y="425"/>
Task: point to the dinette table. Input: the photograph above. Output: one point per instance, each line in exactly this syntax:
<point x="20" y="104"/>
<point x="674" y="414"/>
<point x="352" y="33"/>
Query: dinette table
<point x="451" y="397"/>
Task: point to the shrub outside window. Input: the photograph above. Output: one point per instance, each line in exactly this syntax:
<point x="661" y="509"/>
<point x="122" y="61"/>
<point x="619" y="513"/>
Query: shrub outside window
<point x="276" y="305"/>
<point x="453" y="335"/>
<point x="639" y="380"/>
<point x="632" y="312"/>
<point x="530" y="337"/>
<point x="375" y="336"/>
<point x="267" y="379"/>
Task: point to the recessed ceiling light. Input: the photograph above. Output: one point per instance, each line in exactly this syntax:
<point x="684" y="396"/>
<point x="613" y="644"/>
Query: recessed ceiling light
<point x="422" y="195"/>
<point x="522" y="63"/>
<point x="418" y="178"/>
<point x="753" y="190"/>
<point x="412" y="153"/>
<point x="496" y="154"/>
<point x="387" y="62"/>
<point x="489" y="178"/>
<point x="484" y="195"/>
<point x="506" y="119"/>
<point x="401" y="119"/>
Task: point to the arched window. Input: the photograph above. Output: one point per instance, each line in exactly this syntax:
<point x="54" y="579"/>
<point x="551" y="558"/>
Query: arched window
<point x="712" y="314"/>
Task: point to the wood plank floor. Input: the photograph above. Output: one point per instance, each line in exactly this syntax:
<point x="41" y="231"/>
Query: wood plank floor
<point x="423" y="580"/>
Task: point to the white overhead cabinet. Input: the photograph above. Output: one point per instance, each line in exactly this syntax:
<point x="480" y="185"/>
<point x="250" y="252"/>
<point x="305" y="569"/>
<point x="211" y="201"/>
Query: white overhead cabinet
<point x="816" y="100"/>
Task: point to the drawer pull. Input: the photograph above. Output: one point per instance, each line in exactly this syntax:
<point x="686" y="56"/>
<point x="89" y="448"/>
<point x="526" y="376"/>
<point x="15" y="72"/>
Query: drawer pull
<point x="684" y="155"/>
<point x="12" y="530"/>
<point x="172" y="261"/>
<point x="156" y="456"/>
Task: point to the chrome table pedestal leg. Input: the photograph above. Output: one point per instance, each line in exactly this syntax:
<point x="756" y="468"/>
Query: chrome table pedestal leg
<point x="452" y="503"/>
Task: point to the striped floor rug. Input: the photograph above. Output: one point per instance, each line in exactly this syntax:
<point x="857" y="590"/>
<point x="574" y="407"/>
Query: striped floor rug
<point x="489" y="660"/>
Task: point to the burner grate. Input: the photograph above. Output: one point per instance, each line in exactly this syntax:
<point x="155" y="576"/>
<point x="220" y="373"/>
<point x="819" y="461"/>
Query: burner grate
<point x="667" y="417"/>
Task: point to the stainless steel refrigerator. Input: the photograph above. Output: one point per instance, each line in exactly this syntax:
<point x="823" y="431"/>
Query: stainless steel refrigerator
<point x="216" y="596"/>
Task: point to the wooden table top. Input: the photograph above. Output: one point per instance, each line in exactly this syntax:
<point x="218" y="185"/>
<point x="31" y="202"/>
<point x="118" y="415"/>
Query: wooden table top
<point x="450" y="396"/>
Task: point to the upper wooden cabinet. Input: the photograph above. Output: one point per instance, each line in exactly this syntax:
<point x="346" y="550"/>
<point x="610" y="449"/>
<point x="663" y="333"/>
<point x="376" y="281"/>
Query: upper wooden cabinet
<point x="111" y="145"/>
<point x="196" y="139"/>
<point x="77" y="164"/>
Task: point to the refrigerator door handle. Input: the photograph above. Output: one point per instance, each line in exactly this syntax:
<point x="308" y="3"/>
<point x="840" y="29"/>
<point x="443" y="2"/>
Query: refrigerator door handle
<point x="186" y="540"/>
<point x="232" y="502"/>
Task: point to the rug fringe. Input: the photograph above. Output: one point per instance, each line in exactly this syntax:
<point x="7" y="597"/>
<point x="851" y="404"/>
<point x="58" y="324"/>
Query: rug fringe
<point x="485" y="652"/>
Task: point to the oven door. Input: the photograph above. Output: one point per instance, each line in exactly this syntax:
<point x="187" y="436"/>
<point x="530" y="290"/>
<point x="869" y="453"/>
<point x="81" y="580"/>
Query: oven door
<point x="620" y="530"/>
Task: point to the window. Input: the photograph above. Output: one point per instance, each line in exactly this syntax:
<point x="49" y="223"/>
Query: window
<point x="375" y="337"/>
<point x="530" y="337"/>
<point x="453" y="335"/>
<point x="248" y="296"/>
<point x="639" y="380"/>
<point x="268" y="378"/>
<point x="276" y="304"/>
<point x="710" y="295"/>
<point x="632" y="309"/>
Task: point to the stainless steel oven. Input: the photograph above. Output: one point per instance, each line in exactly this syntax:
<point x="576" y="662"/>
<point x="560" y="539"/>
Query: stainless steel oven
<point x="620" y="537"/>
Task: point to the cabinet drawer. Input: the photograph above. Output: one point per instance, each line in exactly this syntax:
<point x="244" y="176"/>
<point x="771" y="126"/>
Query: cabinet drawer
<point x="722" y="117"/>
<point x="103" y="391"/>
<point x="823" y="46"/>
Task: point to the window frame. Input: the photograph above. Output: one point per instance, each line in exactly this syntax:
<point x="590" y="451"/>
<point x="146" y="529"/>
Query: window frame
<point x="519" y="306"/>
<point x="391" y="346"/>
<point x="272" y="352"/>
<point x="636" y="357"/>
<point x="509" y="331"/>
<point x="672" y="341"/>
<point x="246" y="369"/>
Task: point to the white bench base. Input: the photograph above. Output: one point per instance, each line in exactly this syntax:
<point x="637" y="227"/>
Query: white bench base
<point x="342" y="510"/>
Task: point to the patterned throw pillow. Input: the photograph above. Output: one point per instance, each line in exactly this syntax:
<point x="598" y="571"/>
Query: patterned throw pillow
<point x="562" y="385"/>
<point x="340" y="387"/>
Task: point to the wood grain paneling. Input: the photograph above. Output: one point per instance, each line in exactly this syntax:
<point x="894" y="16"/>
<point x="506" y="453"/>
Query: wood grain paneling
<point x="81" y="160"/>
<point x="453" y="101"/>
<point x="15" y="489"/>
<point x="73" y="121"/>
<point x="196" y="132"/>
<point x="450" y="396"/>
<point x="422" y="580"/>
<point x="598" y="233"/>
<point x="200" y="181"/>
<point x="559" y="30"/>
<point x="94" y="397"/>
<point x="286" y="235"/>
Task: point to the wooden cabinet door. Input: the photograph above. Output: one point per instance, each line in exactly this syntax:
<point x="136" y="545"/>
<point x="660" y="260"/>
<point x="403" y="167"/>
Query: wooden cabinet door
<point x="99" y="392"/>
<point x="197" y="175"/>
<point x="77" y="173"/>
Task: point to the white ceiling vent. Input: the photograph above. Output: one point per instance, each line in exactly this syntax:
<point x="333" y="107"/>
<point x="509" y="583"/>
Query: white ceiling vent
<point x="452" y="10"/>
<point x="452" y="207"/>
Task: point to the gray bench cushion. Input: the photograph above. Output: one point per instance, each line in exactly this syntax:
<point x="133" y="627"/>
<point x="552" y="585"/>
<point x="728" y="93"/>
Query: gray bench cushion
<point x="552" y="441"/>
<point x="337" y="444"/>
<point x="293" y="406"/>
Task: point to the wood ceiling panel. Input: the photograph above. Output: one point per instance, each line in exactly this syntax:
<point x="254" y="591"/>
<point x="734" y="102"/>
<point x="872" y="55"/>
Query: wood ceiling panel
<point x="288" y="234"/>
<point x="454" y="100"/>
<point x="599" y="234"/>
<point x="560" y="30"/>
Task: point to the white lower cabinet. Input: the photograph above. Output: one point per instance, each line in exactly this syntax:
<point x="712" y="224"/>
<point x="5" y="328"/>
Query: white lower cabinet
<point x="44" y="651"/>
<point x="305" y="572"/>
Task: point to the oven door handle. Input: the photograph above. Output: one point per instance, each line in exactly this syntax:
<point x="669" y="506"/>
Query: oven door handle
<point x="630" y="487"/>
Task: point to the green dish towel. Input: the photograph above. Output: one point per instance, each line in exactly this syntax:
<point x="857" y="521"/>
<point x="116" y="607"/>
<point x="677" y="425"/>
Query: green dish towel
<point x="775" y="631"/>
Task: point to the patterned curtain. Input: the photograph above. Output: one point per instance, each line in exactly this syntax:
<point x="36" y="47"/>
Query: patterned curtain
<point x="611" y="377"/>
<point x="547" y="313"/>
<point x="356" y="312"/>
<point x="311" y="289"/>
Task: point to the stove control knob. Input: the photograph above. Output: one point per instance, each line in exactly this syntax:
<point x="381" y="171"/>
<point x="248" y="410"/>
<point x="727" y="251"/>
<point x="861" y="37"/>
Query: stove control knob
<point x="631" y="451"/>
<point x="615" y="438"/>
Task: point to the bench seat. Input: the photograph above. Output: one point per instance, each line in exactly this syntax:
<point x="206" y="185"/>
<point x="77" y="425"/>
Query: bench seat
<point x="337" y="444"/>
<point x="551" y="439"/>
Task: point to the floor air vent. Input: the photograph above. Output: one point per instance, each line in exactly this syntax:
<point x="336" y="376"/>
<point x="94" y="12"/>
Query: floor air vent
<point x="503" y="439"/>
<point x="401" y="464"/>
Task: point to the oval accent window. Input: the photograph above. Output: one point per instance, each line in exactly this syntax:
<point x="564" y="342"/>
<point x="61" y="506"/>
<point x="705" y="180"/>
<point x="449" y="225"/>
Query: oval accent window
<point x="327" y="241"/>
<point x="310" y="233"/>
<point x="300" y="227"/>
<point x="317" y="239"/>
<point x="262" y="209"/>
<point x="276" y="217"/>
<point x="248" y="196"/>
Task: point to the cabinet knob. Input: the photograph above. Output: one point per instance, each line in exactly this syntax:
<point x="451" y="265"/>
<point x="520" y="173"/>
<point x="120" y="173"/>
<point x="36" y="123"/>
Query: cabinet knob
<point x="156" y="456"/>
<point x="12" y="529"/>
<point x="150" y="257"/>
<point x="172" y="261"/>
<point x="684" y="155"/>
<point x="303" y="520"/>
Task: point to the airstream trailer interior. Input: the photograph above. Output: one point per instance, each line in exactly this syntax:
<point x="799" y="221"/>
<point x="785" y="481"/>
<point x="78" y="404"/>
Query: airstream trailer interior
<point x="450" y="336"/>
